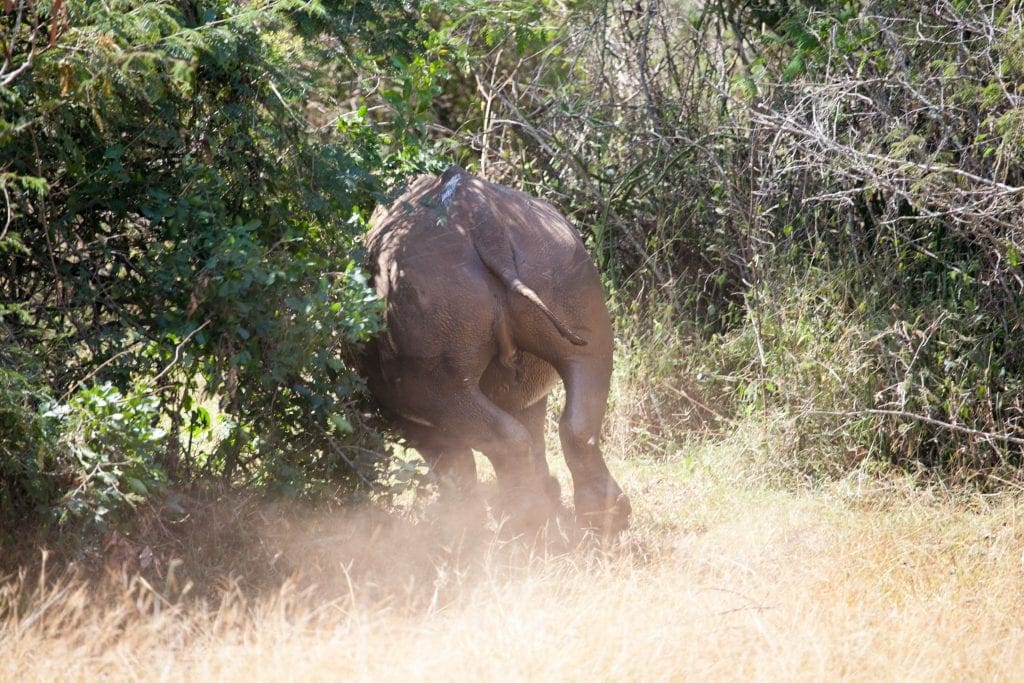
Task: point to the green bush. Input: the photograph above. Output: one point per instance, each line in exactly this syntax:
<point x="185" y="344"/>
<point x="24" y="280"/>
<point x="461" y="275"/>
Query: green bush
<point x="182" y="186"/>
<point x="27" y="452"/>
<point x="110" y="445"/>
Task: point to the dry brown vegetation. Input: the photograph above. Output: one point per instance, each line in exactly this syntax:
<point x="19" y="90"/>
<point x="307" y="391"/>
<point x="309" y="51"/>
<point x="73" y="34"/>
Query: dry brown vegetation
<point x="725" y="575"/>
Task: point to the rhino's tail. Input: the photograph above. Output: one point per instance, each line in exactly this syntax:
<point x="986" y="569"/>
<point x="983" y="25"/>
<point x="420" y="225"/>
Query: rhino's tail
<point x="517" y="286"/>
<point x="506" y="272"/>
<point x="492" y="243"/>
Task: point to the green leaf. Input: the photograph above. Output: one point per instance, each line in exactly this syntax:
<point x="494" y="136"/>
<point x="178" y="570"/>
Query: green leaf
<point x="136" y="485"/>
<point x="340" y="423"/>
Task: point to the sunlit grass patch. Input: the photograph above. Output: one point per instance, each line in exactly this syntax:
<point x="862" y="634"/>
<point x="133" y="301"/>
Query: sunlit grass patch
<point x="723" y="576"/>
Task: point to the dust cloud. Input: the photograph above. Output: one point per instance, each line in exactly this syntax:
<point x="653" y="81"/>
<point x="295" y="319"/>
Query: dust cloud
<point x="722" y="576"/>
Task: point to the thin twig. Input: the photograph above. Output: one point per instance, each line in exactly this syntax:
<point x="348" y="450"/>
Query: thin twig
<point x="81" y="383"/>
<point x="177" y="352"/>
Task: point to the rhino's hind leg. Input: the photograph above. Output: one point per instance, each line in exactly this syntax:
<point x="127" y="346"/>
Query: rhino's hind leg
<point x="507" y="444"/>
<point x="454" y="468"/>
<point x="533" y="418"/>
<point x="600" y="503"/>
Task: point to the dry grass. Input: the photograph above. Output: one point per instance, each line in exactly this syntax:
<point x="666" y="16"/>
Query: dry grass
<point x="723" y="577"/>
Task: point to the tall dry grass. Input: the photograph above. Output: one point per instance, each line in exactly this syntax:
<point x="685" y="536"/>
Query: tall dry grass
<point x="724" y="576"/>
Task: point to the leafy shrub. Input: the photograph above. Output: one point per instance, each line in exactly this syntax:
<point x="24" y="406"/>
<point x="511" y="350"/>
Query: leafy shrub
<point x="27" y="452"/>
<point x="110" y="445"/>
<point x="182" y="186"/>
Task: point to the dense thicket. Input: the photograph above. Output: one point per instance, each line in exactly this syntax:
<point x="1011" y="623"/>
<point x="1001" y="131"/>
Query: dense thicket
<point x="177" y="279"/>
<point x="805" y="209"/>
<point x="823" y="198"/>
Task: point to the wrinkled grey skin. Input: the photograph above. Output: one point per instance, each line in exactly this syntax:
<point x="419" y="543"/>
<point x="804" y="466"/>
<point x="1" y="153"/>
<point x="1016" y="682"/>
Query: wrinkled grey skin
<point x="491" y="298"/>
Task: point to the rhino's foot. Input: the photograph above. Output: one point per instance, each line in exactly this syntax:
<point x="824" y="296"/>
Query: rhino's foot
<point x="527" y="508"/>
<point x="605" y="510"/>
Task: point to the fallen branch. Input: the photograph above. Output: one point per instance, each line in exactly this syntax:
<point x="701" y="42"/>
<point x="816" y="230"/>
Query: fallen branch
<point x="989" y="436"/>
